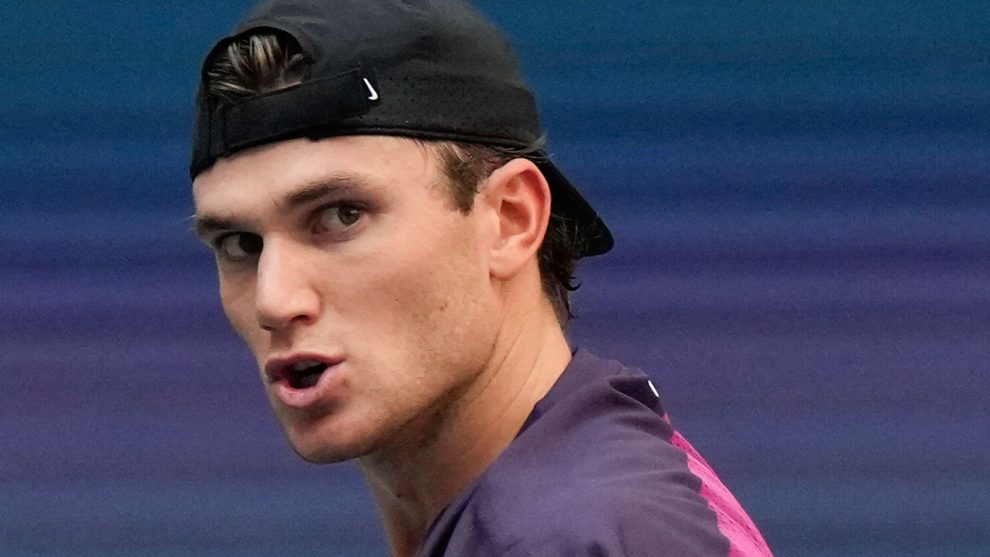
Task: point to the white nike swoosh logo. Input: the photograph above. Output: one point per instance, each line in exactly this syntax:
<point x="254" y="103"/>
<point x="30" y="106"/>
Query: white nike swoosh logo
<point x="373" y="95"/>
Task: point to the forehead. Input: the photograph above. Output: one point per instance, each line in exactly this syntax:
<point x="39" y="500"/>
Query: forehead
<point x="272" y="170"/>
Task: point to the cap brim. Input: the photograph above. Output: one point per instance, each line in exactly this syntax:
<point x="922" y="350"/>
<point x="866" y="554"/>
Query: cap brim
<point x="568" y="202"/>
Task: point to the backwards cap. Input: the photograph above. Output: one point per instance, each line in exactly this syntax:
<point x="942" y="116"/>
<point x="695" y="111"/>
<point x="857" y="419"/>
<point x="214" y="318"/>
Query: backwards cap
<point x="425" y="69"/>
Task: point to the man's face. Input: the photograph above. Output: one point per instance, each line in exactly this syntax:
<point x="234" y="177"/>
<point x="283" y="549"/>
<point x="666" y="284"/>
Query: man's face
<point x="364" y="296"/>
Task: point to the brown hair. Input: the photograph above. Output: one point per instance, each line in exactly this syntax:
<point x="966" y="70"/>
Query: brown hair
<point x="272" y="60"/>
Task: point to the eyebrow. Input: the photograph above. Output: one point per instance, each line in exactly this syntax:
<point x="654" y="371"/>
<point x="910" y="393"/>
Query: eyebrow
<point x="308" y="192"/>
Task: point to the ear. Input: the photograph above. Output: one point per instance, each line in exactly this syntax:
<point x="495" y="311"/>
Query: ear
<point x="518" y="196"/>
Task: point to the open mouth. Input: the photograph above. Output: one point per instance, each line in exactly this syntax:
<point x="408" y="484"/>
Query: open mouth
<point x="302" y="375"/>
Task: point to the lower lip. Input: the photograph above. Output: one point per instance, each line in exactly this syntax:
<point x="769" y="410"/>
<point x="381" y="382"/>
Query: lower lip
<point x="318" y="394"/>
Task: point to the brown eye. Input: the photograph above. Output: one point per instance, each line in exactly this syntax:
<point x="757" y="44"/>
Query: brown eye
<point x="338" y="218"/>
<point x="348" y="215"/>
<point x="239" y="246"/>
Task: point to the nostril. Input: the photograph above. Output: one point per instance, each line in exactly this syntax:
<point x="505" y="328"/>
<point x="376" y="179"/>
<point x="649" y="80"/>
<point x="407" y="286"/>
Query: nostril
<point x="272" y="323"/>
<point x="267" y="323"/>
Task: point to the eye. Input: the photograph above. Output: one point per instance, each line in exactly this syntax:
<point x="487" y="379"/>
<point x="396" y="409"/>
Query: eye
<point x="238" y="246"/>
<point x="338" y="218"/>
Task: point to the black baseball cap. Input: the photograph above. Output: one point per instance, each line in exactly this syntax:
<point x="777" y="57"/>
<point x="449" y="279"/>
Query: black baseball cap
<point x="426" y="69"/>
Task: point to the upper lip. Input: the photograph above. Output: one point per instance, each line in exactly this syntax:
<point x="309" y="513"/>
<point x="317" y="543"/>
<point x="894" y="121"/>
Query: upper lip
<point x="278" y="368"/>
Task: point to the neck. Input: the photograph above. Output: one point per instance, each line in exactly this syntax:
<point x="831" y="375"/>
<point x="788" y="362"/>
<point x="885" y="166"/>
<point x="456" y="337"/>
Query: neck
<point x="413" y="483"/>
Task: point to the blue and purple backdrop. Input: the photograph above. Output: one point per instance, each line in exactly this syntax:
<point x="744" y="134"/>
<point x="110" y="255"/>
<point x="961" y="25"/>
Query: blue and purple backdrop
<point x="799" y="193"/>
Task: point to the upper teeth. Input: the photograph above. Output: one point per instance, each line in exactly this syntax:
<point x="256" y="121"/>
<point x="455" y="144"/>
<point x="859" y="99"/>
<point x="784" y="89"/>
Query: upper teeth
<point x="304" y="364"/>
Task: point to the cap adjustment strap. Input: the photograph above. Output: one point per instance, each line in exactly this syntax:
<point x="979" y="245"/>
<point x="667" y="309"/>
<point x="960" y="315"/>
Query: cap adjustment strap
<point x="284" y="113"/>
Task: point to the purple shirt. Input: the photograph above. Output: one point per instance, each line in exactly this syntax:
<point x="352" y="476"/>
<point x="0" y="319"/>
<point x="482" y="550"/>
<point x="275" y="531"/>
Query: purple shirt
<point x="596" y="470"/>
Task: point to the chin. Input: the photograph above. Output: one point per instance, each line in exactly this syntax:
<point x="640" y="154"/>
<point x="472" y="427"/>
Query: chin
<point x="322" y="455"/>
<point x="324" y="447"/>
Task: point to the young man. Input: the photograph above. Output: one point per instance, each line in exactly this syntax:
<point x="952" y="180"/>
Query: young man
<point x="397" y="251"/>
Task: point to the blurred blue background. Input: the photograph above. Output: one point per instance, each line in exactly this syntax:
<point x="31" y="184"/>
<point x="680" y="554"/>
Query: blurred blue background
<point x="799" y="196"/>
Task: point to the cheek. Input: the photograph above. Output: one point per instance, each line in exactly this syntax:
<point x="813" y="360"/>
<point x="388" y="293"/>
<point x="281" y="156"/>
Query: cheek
<point x="237" y="298"/>
<point x="431" y="301"/>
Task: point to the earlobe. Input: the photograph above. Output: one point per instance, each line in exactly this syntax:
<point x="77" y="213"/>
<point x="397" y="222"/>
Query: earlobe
<point x="519" y="196"/>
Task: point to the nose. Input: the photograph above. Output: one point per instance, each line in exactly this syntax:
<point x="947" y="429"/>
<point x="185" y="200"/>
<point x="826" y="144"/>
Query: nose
<point x="285" y="295"/>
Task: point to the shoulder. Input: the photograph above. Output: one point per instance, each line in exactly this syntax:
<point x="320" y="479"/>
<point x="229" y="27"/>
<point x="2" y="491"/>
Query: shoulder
<point x="603" y="517"/>
<point x="595" y="473"/>
<point x="597" y="470"/>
